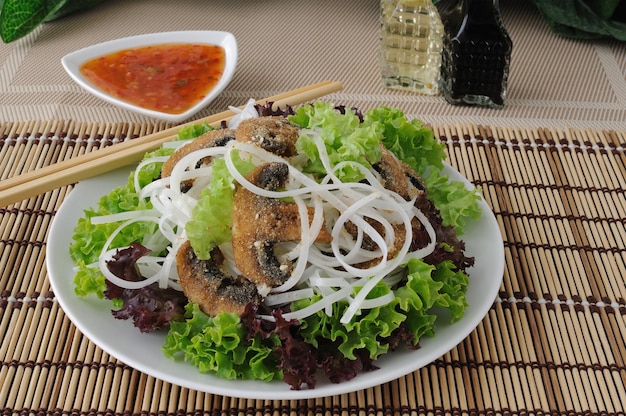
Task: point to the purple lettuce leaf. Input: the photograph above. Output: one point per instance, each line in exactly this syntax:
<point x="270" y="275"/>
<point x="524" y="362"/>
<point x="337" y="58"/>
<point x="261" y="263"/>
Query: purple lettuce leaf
<point x="151" y="308"/>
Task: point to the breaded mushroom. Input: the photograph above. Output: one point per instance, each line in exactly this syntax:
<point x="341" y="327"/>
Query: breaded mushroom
<point x="212" y="138"/>
<point x="400" y="178"/>
<point x="397" y="176"/>
<point x="259" y="223"/>
<point x="204" y="282"/>
<point x="275" y="134"/>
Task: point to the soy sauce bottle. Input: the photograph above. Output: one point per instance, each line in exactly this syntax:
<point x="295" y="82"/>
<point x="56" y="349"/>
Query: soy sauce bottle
<point x="476" y="54"/>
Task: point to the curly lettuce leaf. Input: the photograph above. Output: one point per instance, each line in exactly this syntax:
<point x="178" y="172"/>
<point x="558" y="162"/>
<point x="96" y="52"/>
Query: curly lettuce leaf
<point x="344" y="136"/>
<point x="366" y="332"/>
<point x="88" y="280"/>
<point x="88" y="239"/>
<point x="410" y="141"/>
<point x="454" y="201"/>
<point x="427" y="287"/>
<point x="452" y="292"/>
<point x="193" y="130"/>
<point x="220" y="345"/>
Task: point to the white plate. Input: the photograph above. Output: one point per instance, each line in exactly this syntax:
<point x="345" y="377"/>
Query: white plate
<point x="72" y="62"/>
<point x="122" y="340"/>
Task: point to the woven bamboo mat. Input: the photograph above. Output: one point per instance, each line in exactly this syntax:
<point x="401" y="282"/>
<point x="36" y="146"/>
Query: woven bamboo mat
<point x="554" y="341"/>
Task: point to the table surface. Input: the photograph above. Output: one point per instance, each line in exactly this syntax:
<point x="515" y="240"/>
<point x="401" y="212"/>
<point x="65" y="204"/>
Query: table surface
<point x="551" y="165"/>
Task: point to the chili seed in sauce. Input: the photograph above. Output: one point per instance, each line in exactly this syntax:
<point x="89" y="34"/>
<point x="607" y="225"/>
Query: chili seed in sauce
<point x="170" y="78"/>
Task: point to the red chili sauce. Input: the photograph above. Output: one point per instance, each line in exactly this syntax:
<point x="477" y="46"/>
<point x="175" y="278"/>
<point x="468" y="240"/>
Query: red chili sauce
<point x="170" y="78"/>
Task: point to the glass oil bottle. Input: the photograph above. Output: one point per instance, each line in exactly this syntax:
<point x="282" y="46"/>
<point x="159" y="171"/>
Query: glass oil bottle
<point x="411" y="43"/>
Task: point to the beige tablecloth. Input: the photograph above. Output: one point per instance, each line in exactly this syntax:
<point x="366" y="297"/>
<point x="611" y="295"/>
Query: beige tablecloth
<point x="551" y="165"/>
<point x="284" y="44"/>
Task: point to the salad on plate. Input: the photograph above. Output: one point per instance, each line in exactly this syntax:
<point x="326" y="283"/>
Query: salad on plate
<point x="285" y="244"/>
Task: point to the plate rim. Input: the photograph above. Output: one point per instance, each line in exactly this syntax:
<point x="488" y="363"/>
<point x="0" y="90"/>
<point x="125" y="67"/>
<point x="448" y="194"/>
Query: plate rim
<point x="254" y="389"/>
<point x="72" y="61"/>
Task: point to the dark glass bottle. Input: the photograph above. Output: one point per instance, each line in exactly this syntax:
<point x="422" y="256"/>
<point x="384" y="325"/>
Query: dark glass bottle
<point x="476" y="54"/>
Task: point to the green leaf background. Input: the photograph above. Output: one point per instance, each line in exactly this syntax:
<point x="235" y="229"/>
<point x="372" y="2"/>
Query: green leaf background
<point x="20" y="17"/>
<point x="585" y="19"/>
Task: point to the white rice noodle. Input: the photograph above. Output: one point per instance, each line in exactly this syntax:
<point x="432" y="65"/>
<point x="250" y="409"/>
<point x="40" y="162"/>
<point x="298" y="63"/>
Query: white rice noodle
<point x="142" y="164"/>
<point x="304" y="245"/>
<point x="154" y="187"/>
<point x="121" y="216"/>
<point x="162" y="274"/>
<point x="356" y="203"/>
<point x="350" y="214"/>
<point x="326" y="301"/>
<point x="248" y="111"/>
<point x="373" y="303"/>
<point x="275" y="299"/>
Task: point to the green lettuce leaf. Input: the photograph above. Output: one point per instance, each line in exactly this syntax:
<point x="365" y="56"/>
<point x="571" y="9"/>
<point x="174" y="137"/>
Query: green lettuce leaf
<point x="416" y="145"/>
<point x="210" y="223"/>
<point x="452" y="292"/>
<point x="345" y="139"/>
<point x="456" y="204"/>
<point x="193" y="130"/>
<point x="410" y="141"/>
<point x="88" y="280"/>
<point x="367" y="331"/>
<point x="219" y="345"/>
<point x="427" y="287"/>
<point x="88" y="239"/>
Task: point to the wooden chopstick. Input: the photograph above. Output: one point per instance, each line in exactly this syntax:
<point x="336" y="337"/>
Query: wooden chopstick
<point x="109" y="158"/>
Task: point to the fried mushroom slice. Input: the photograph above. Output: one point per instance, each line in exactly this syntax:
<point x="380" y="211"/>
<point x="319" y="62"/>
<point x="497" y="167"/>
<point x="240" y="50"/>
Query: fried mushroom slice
<point x="213" y="138"/>
<point x="259" y="223"/>
<point x="205" y="283"/>
<point x="275" y="134"/>
<point x="400" y="178"/>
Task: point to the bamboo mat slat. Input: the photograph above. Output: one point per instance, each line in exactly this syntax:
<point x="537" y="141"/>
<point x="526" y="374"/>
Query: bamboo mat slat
<point x="554" y="341"/>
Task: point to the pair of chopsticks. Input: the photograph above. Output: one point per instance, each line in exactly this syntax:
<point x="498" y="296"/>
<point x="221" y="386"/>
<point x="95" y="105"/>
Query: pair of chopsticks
<point x="109" y="158"/>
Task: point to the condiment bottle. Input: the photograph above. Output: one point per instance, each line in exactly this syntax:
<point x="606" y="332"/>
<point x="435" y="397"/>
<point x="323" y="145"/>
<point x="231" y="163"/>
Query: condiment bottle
<point x="411" y="42"/>
<point x="476" y="55"/>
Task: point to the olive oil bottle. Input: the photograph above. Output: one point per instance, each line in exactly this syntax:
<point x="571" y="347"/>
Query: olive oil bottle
<point x="411" y="42"/>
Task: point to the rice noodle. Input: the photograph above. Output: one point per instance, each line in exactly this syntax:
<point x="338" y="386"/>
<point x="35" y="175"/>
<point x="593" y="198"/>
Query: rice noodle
<point x="122" y="216"/>
<point x="108" y="254"/>
<point x="342" y="271"/>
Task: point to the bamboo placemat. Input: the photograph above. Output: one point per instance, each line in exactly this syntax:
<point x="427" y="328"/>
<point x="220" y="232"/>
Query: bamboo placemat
<point x="553" y="342"/>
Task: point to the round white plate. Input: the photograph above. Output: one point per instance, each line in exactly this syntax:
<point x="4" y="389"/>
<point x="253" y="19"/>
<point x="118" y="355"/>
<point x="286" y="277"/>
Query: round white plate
<point x="122" y="340"/>
<point x="72" y="62"/>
